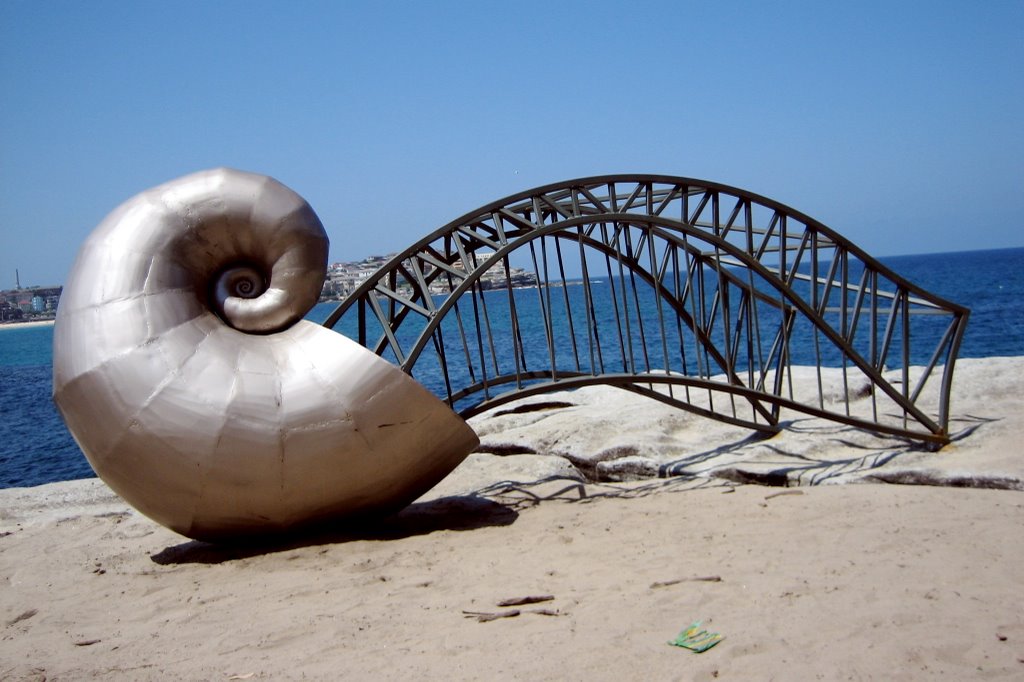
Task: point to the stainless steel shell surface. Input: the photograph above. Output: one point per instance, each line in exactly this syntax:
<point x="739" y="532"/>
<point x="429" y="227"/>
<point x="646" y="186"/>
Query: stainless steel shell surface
<point x="184" y="370"/>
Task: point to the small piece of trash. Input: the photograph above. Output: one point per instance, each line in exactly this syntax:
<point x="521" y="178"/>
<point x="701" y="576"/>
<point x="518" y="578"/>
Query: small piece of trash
<point x="522" y="601"/>
<point x="784" y="492"/>
<point x="699" y="578"/>
<point x="24" y="615"/>
<point x="696" y="640"/>
<point x="246" y="676"/>
<point x="482" y="617"/>
<point x="87" y="642"/>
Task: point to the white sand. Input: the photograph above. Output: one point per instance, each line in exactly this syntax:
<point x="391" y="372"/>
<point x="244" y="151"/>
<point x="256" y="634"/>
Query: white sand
<point x="816" y="582"/>
<point x="29" y="323"/>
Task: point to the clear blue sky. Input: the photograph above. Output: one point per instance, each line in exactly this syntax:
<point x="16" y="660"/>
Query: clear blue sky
<point x="899" y="124"/>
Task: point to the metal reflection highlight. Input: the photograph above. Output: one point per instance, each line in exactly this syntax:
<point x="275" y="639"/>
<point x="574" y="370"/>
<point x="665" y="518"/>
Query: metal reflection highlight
<point x="186" y="374"/>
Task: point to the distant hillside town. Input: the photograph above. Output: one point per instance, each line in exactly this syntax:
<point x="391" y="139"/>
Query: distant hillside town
<point x="40" y="303"/>
<point x="344" y="278"/>
<point x="33" y="303"/>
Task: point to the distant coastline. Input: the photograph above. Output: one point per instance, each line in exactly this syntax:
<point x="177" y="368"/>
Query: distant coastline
<point x="21" y="324"/>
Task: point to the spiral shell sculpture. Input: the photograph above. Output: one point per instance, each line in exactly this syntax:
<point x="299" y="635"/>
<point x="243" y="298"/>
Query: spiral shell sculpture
<point x="184" y="369"/>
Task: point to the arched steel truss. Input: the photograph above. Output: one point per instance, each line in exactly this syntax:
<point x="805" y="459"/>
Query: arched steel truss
<point x="703" y="296"/>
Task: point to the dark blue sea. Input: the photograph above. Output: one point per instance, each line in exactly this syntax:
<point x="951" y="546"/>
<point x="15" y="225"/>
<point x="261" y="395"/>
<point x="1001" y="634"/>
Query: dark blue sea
<point x="36" y="448"/>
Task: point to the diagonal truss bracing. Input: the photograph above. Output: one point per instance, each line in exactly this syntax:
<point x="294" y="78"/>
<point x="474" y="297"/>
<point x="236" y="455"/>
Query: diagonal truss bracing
<point x="707" y="297"/>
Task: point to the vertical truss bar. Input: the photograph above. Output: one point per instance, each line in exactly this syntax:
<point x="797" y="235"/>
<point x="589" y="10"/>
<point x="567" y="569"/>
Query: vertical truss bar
<point x="568" y="307"/>
<point x="890" y="325"/>
<point x="844" y="278"/>
<point x="784" y="371"/>
<point x="658" y="287"/>
<point x="458" y="321"/>
<point x="946" y="336"/>
<point x="874" y="340"/>
<point x="722" y="296"/>
<point x="748" y="217"/>
<point x="681" y="299"/>
<point x="615" y="299"/>
<point x="545" y="316"/>
<point x="517" y="340"/>
<point x="361" y="322"/>
<point x="858" y="306"/>
<point x="958" y="323"/>
<point x="905" y="351"/>
<point x="438" y="339"/>
<point x="814" y="327"/>
<point x="625" y="297"/>
<point x="467" y="258"/>
<point x="593" y="335"/>
<point x="473" y="293"/>
<point x="633" y="257"/>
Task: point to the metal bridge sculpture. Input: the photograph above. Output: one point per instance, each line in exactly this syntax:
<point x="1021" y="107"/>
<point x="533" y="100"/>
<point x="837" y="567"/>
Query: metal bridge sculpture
<point x="707" y="297"/>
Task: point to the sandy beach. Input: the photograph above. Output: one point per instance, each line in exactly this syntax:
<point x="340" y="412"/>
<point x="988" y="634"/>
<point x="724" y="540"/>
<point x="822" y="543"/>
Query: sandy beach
<point x="29" y="323"/>
<point x="866" y="558"/>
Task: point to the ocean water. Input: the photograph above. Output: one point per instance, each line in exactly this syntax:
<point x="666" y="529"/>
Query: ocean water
<point x="36" y="448"/>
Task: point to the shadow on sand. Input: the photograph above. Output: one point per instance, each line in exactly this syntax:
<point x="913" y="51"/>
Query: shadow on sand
<point x="467" y="512"/>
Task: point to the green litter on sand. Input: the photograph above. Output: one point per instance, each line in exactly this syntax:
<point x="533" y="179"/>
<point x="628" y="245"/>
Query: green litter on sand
<point x="695" y="639"/>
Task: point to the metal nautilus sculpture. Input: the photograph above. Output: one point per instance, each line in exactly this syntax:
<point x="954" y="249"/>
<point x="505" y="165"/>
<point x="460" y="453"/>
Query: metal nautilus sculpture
<point x="184" y="369"/>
